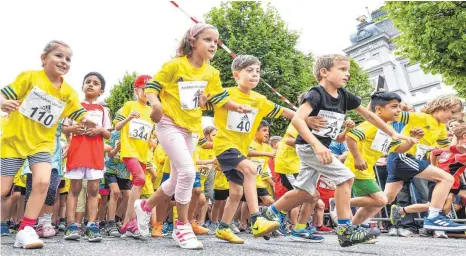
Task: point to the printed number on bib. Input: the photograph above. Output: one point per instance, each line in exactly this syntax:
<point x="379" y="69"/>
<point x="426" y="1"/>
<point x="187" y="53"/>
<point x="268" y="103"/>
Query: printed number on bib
<point x="381" y="142"/>
<point x="190" y="92"/>
<point x="334" y="123"/>
<point x="140" y="129"/>
<point x="241" y="122"/>
<point x="260" y="164"/>
<point x="422" y="151"/>
<point x="42" y="107"/>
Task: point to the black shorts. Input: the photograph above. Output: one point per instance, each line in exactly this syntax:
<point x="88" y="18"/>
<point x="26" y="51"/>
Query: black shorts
<point x="404" y="167"/>
<point x="20" y="189"/>
<point x="260" y="192"/>
<point x="221" y="194"/>
<point x="287" y="180"/>
<point x="123" y="184"/>
<point x="62" y="184"/>
<point x="228" y="161"/>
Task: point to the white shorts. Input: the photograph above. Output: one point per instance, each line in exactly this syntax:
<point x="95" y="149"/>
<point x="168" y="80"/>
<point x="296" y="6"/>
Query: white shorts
<point x="84" y="173"/>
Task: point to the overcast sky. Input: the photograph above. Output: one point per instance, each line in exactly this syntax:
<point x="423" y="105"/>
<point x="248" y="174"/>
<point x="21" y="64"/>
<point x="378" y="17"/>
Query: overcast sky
<point x="112" y="37"/>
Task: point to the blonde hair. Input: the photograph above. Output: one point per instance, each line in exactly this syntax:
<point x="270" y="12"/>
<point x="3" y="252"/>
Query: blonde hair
<point x="460" y="130"/>
<point x="52" y="45"/>
<point x="327" y="62"/>
<point x="185" y="47"/>
<point x="441" y="103"/>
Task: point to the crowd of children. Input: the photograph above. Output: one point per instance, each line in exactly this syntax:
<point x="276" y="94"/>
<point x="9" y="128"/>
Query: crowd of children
<point x="155" y="169"/>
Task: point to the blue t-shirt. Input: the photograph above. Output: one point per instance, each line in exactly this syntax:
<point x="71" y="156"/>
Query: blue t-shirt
<point x="114" y="165"/>
<point x="337" y="148"/>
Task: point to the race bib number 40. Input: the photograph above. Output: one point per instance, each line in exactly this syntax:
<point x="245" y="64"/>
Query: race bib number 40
<point x="42" y="107"/>
<point x="240" y="122"/>
<point x="334" y="124"/>
<point x="140" y="129"/>
<point x="381" y="142"/>
<point x="190" y="92"/>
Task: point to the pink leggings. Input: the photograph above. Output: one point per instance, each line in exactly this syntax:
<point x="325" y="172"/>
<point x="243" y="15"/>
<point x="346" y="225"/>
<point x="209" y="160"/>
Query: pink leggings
<point x="136" y="169"/>
<point x="178" y="144"/>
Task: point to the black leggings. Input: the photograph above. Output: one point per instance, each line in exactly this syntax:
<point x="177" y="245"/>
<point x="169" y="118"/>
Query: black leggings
<point x="51" y="192"/>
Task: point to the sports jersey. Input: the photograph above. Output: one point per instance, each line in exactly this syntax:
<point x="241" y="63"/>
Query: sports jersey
<point x="286" y="160"/>
<point x="220" y="180"/>
<point x="333" y="109"/>
<point x="20" y="180"/>
<point x="372" y="144"/>
<point x="115" y="165"/>
<point x="261" y="162"/>
<point x="435" y="133"/>
<point x="159" y="160"/>
<point x="205" y="154"/>
<point x="236" y="130"/>
<point x="136" y="133"/>
<point x="179" y="85"/>
<point x="32" y="128"/>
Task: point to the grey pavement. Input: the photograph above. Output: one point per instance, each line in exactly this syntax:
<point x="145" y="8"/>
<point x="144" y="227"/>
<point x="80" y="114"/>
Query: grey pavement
<point x="386" y="245"/>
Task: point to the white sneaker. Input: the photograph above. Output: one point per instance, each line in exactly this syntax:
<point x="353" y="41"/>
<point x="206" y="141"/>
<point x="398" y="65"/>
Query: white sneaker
<point x="28" y="239"/>
<point x="440" y="234"/>
<point x="185" y="237"/>
<point x="143" y="219"/>
<point x="333" y="211"/>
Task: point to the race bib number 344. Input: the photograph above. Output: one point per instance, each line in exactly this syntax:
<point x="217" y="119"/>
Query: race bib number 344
<point x="190" y="92"/>
<point x="240" y="122"/>
<point x="42" y="107"/>
<point x="140" y="129"/>
<point x="334" y="124"/>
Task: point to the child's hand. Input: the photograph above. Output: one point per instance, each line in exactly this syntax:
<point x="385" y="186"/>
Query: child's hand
<point x="88" y="123"/>
<point x="398" y="136"/>
<point x="134" y="115"/>
<point x="316" y="122"/>
<point x="273" y="154"/>
<point x="417" y="133"/>
<point x="323" y="154"/>
<point x="9" y="106"/>
<point x="349" y="124"/>
<point x="91" y="132"/>
<point x="203" y="99"/>
<point x="244" y="109"/>
<point x="78" y="129"/>
<point x="65" y="150"/>
<point x="360" y="164"/>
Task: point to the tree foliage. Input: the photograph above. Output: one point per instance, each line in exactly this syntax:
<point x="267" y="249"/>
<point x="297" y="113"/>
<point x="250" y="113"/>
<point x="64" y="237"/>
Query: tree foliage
<point x="433" y="34"/>
<point x="121" y="93"/>
<point x="359" y="85"/>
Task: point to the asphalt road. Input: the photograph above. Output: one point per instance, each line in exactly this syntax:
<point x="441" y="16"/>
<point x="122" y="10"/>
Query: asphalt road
<point x="386" y="245"/>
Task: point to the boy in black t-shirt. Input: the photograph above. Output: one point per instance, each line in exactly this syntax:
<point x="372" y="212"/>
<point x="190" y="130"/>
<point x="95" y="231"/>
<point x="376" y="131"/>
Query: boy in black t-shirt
<point x="330" y="100"/>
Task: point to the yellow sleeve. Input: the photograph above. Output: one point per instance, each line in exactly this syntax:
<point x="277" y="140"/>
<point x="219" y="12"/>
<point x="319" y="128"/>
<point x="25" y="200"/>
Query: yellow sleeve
<point x="74" y="110"/>
<point x="356" y="134"/>
<point x="162" y="78"/>
<point x="411" y="118"/>
<point x="218" y="95"/>
<point x="19" y="88"/>
<point x="121" y="114"/>
<point x="443" y="137"/>
<point x="271" y="109"/>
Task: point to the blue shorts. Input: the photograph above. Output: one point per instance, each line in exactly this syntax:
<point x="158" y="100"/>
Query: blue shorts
<point x="404" y="167"/>
<point x="197" y="180"/>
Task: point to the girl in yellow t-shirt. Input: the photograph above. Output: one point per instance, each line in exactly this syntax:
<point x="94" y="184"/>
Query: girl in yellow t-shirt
<point x="35" y="101"/>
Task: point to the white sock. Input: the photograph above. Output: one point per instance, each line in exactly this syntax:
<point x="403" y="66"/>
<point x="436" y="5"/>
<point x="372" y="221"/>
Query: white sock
<point x="40" y="221"/>
<point x="48" y="218"/>
<point x="433" y="212"/>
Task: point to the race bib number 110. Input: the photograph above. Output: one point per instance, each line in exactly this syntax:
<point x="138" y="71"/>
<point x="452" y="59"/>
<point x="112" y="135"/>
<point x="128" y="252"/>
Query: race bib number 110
<point x="42" y="107"/>
<point x="190" y="92"/>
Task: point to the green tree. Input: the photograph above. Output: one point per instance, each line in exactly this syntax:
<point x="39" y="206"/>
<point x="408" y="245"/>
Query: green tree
<point x="121" y="93"/>
<point x="257" y="29"/>
<point x="433" y="34"/>
<point x="359" y="85"/>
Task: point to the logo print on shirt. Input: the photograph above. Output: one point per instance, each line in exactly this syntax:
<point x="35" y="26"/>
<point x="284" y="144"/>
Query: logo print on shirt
<point x="245" y="118"/>
<point x="180" y="79"/>
<point x="46" y="108"/>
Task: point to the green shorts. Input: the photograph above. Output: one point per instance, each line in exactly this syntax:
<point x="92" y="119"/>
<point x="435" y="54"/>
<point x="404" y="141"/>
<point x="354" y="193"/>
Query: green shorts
<point x="365" y="187"/>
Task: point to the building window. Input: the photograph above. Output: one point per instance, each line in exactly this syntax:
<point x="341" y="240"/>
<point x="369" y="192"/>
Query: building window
<point x="418" y="78"/>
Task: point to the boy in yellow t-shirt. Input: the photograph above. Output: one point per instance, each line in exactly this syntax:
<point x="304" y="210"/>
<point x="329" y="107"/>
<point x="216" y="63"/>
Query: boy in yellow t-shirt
<point x="235" y="133"/>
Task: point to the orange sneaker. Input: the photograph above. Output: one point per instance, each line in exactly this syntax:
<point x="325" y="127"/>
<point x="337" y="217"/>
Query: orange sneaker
<point x="198" y="229"/>
<point x="157" y="230"/>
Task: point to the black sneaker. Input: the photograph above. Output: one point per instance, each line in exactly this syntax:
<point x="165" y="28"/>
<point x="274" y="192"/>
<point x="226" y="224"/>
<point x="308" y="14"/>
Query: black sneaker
<point x="93" y="233"/>
<point x="350" y="235"/>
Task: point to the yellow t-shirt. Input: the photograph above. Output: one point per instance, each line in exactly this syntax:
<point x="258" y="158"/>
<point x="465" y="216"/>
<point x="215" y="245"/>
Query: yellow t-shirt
<point x="237" y="130"/>
<point x="220" y="181"/>
<point x="148" y="188"/>
<point x="135" y="134"/>
<point x="435" y="133"/>
<point x="159" y="160"/>
<point x="167" y="166"/>
<point x="286" y="160"/>
<point x="205" y="154"/>
<point x="372" y="144"/>
<point x="179" y="85"/>
<point x="261" y="162"/>
<point x="40" y="100"/>
<point x="20" y="180"/>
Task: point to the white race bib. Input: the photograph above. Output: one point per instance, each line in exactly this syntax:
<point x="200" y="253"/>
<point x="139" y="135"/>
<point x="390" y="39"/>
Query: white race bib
<point x="259" y="163"/>
<point x="205" y="171"/>
<point x="42" y="107"/>
<point x="422" y="151"/>
<point x="190" y="92"/>
<point x="140" y="129"/>
<point x="334" y="124"/>
<point x="195" y="138"/>
<point x="239" y="122"/>
<point x="381" y="142"/>
<point x="96" y="117"/>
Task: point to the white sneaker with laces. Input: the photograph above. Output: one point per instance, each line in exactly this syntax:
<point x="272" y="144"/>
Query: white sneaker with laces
<point x="28" y="239"/>
<point x="185" y="237"/>
<point x="143" y="219"/>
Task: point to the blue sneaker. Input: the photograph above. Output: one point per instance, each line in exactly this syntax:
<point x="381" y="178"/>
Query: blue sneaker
<point x="5" y="229"/>
<point x="72" y="232"/>
<point x="442" y="223"/>
<point x="93" y="233"/>
<point x="305" y="235"/>
<point x="167" y="228"/>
